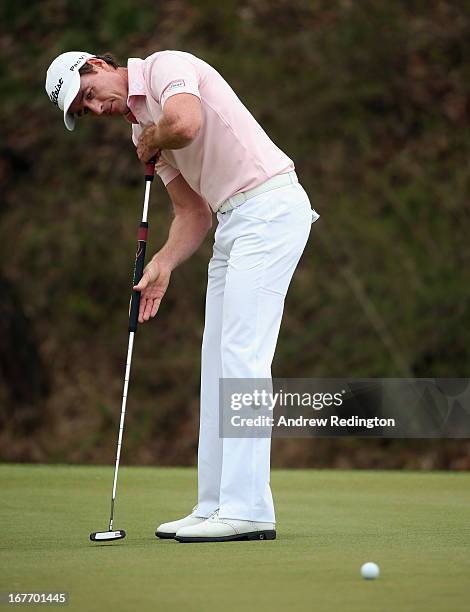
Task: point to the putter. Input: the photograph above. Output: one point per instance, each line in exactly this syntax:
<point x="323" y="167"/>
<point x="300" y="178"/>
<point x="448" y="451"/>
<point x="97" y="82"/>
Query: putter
<point x="110" y="535"/>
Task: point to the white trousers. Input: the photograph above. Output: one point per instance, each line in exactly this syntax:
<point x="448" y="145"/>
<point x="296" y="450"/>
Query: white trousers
<point x="256" y="250"/>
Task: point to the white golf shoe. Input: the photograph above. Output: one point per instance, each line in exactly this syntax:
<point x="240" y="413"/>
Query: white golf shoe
<point x="168" y="530"/>
<point x="215" y="529"/>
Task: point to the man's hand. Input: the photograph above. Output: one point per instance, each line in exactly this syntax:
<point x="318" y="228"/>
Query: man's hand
<point x="147" y="146"/>
<point x="152" y="287"/>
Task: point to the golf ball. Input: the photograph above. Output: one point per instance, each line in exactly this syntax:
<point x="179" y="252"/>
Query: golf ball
<point x="370" y="571"/>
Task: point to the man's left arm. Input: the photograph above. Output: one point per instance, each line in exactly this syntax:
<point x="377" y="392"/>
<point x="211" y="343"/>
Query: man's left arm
<point x="177" y="127"/>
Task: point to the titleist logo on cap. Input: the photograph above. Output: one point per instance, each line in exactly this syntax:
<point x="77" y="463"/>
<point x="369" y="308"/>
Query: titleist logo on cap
<point x="55" y="92"/>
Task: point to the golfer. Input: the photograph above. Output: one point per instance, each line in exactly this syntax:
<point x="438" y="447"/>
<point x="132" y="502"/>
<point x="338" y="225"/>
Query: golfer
<point x="213" y="157"/>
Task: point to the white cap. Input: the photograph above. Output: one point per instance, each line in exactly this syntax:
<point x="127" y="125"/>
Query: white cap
<point x="63" y="82"/>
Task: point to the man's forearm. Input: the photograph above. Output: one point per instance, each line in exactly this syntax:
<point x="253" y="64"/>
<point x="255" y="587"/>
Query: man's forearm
<point x="166" y="135"/>
<point x="186" y="234"/>
<point x="177" y="127"/>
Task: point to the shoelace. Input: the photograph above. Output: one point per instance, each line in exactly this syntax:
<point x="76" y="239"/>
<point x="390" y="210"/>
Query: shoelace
<point x="214" y="516"/>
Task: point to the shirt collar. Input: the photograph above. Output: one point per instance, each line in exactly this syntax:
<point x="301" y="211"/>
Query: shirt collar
<point x="135" y="77"/>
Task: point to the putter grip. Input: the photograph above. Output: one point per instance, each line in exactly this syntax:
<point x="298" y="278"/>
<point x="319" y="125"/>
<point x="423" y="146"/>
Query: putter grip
<point x="138" y="271"/>
<point x="150" y="168"/>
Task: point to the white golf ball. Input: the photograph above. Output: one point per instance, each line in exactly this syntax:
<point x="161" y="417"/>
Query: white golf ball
<point x="370" y="571"/>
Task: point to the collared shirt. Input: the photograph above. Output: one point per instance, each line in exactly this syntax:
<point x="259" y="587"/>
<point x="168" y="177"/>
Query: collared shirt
<point x="231" y="152"/>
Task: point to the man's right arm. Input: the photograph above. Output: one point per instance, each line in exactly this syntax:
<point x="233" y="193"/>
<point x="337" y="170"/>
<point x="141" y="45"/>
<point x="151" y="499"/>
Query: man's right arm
<point x="192" y="221"/>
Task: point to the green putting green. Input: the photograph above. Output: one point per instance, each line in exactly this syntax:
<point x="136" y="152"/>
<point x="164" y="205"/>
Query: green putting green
<point x="414" y="525"/>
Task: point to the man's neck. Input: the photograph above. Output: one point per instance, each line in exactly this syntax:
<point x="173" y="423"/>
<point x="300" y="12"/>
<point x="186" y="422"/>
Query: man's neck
<point x="123" y="73"/>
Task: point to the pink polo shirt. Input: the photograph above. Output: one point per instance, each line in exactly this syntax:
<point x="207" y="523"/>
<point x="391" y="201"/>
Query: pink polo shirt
<point x="231" y="152"/>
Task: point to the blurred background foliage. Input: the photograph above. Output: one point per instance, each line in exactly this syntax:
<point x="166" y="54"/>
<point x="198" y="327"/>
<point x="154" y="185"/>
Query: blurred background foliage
<point x="371" y="100"/>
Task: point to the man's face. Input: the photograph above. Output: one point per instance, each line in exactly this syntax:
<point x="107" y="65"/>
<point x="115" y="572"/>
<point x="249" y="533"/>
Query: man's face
<point x="103" y="92"/>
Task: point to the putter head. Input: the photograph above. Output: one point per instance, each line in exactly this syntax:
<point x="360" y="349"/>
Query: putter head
<point x="107" y="536"/>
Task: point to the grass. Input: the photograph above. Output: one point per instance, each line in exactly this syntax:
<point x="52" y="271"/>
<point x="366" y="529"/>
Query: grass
<point x="414" y="525"/>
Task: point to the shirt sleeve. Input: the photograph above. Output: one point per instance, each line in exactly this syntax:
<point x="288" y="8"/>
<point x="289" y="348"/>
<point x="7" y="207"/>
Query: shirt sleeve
<point x="136" y="132"/>
<point x="172" y="74"/>
<point x="165" y="171"/>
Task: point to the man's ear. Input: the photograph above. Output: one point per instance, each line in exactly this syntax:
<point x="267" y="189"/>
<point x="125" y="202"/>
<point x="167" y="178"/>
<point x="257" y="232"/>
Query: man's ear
<point x="98" y="63"/>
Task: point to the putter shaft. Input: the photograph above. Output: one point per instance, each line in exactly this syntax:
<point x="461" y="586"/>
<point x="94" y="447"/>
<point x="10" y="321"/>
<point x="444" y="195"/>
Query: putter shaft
<point x="121" y="424"/>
